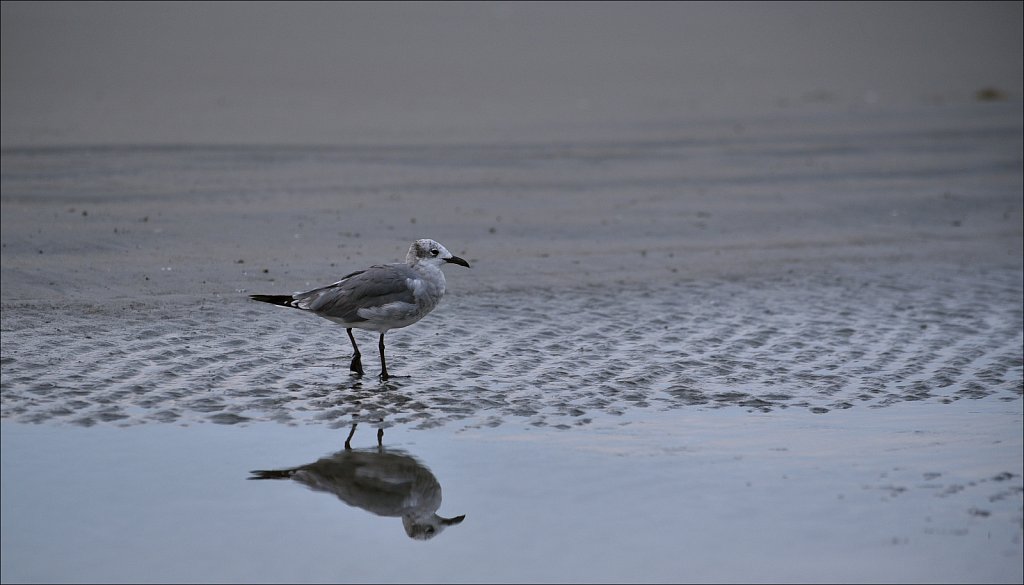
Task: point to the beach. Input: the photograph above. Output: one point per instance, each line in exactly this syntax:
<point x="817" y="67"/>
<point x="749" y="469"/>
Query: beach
<point x="744" y="305"/>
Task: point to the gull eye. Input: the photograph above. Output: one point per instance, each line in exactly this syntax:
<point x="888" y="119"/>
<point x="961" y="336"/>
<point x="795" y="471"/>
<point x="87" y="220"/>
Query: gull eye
<point x="435" y="252"/>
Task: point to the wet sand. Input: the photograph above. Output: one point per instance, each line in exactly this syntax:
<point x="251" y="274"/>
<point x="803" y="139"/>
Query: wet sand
<point x="598" y="325"/>
<point x="551" y="357"/>
<point x="788" y="326"/>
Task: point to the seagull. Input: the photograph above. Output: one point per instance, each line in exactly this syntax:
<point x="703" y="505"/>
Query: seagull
<point x="380" y="298"/>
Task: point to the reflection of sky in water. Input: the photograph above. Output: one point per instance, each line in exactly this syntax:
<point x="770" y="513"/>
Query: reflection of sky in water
<point x="911" y="492"/>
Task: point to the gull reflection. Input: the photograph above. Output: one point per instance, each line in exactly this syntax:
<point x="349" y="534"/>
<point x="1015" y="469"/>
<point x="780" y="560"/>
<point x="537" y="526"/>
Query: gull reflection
<point x="384" y="482"/>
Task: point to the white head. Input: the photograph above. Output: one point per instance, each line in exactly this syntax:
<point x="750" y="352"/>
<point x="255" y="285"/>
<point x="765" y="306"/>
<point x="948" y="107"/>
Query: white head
<point x="430" y="252"/>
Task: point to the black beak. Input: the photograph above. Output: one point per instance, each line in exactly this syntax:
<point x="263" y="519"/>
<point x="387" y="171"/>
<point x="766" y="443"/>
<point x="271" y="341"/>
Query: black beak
<point x="455" y="520"/>
<point x="457" y="260"/>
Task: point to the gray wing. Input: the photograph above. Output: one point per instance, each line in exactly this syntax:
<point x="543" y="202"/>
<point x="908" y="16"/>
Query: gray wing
<point x="373" y="287"/>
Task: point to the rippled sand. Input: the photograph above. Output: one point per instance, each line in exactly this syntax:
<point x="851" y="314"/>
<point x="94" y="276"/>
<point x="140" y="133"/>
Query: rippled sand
<point x="554" y="357"/>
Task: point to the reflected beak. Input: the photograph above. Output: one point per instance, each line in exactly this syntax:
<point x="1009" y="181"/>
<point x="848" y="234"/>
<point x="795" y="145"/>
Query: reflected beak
<point x="457" y="260"/>
<point x="455" y="520"/>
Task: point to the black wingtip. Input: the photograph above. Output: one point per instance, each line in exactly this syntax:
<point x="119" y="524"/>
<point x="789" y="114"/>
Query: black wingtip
<point x="283" y="300"/>
<point x="271" y="474"/>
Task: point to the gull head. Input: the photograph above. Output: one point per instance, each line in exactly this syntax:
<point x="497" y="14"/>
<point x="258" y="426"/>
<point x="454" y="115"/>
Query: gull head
<point x="427" y="527"/>
<point x="430" y="252"/>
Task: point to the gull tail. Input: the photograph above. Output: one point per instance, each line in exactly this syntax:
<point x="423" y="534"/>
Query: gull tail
<point x="282" y="300"/>
<point x="273" y="474"/>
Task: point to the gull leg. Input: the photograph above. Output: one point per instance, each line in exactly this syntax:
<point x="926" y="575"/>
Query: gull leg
<point x="348" y="446"/>
<point x="357" y="363"/>
<point x="383" y="364"/>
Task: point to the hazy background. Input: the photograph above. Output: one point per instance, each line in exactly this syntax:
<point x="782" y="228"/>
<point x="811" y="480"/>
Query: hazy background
<point x="398" y="72"/>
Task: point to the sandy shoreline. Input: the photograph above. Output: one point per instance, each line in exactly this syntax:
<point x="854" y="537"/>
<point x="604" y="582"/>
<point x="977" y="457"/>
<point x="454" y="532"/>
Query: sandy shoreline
<point x="745" y="301"/>
<point x="135" y="223"/>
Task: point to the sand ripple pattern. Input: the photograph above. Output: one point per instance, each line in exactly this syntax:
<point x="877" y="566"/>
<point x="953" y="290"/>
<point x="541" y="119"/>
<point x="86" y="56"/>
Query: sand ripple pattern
<point x="554" y="358"/>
